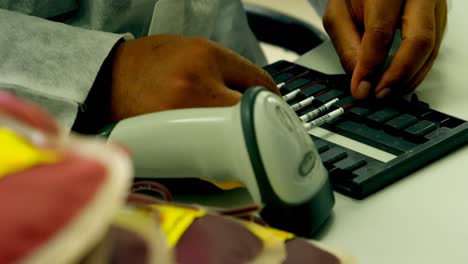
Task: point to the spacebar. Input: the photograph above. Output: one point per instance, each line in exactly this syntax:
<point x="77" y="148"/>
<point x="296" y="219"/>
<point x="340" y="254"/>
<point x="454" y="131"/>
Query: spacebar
<point x="374" y="137"/>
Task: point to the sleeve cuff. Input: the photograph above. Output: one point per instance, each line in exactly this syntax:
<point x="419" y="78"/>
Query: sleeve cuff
<point x="51" y="63"/>
<point x="319" y="6"/>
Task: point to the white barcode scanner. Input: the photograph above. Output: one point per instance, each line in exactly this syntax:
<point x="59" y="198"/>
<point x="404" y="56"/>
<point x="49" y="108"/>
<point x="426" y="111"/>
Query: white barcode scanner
<point x="260" y="142"/>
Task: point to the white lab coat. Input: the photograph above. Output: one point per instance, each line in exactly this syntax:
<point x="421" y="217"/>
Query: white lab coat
<point x="55" y="63"/>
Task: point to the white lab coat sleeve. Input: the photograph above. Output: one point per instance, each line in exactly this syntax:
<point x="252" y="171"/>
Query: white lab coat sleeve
<point x="223" y="21"/>
<point x="50" y="63"/>
<point x="319" y="6"/>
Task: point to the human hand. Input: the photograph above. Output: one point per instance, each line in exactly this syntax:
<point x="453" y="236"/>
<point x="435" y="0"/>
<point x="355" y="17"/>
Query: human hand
<point x="170" y="72"/>
<point x="362" y="32"/>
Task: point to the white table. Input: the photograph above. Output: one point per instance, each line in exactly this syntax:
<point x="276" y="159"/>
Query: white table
<point x="422" y="218"/>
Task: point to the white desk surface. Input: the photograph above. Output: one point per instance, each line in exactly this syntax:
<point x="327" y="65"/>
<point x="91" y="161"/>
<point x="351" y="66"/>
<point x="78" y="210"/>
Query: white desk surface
<point x="422" y="218"/>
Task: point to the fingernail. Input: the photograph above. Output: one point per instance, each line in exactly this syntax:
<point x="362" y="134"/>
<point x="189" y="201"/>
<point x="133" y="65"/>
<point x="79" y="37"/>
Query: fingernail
<point x="364" y="88"/>
<point x="383" y="93"/>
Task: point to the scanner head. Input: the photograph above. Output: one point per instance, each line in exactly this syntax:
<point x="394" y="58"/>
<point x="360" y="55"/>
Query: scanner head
<point x="260" y="142"/>
<point x="292" y="181"/>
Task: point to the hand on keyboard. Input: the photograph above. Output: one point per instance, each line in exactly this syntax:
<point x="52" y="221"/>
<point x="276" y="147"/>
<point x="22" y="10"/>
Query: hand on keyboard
<point x="409" y="134"/>
<point x="362" y="32"/>
<point x="169" y="72"/>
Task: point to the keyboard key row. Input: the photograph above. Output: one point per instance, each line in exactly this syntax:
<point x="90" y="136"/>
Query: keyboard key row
<point x="413" y="132"/>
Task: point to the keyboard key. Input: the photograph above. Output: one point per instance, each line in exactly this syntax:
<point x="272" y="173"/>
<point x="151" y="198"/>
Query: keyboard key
<point x="419" y="113"/>
<point x="343" y="170"/>
<point x="451" y="122"/>
<point x="283" y="77"/>
<point x="290" y="73"/>
<point x="332" y="156"/>
<point x="421" y="128"/>
<point x="374" y="137"/>
<point x="434" y="116"/>
<point x="343" y="102"/>
<point x="277" y="67"/>
<point x="322" y="149"/>
<point x="382" y="116"/>
<point x="438" y="134"/>
<point x="350" y="165"/>
<point x="306" y="93"/>
<point x="401" y="122"/>
<point x="398" y="127"/>
<point x="358" y="112"/>
<point x="416" y="132"/>
<point x="369" y="173"/>
<point x="296" y="84"/>
<point x="321" y="146"/>
<point x="339" y="81"/>
<point x="326" y="97"/>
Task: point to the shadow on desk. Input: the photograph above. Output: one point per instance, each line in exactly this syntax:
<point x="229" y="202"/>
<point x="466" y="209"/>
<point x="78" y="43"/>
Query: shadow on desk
<point x="238" y="198"/>
<point x="325" y="228"/>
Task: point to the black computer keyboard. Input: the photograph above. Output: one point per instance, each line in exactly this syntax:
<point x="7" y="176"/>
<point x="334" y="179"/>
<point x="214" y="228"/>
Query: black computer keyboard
<point x="410" y="130"/>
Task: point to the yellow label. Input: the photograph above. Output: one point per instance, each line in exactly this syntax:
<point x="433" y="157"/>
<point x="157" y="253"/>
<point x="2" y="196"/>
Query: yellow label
<point x="283" y="235"/>
<point x="226" y="186"/>
<point x="176" y="220"/>
<point x="266" y="233"/>
<point x="16" y="154"/>
<point x="138" y="221"/>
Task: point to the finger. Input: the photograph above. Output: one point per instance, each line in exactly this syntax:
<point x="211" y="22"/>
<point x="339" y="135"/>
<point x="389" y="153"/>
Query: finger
<point x="343" y="32"/>
<point x="242" y="74"/>
<point x="210" y="93"/>
<point x="380" y="21"/>
<point x="29" y="113"/>
<point x="230" y="97"/>
<point x="418" y="40"/>
<point x="220" y="95"/>
<point x="441" y="23"/>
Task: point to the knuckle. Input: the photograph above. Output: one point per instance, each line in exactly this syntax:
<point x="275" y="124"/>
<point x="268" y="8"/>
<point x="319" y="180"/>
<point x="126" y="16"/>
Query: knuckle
<point x="328" y="22"/>
<point x="259" y="78"/>
<point x="348" y="57"/>
<point x="177" y="96"/>
<point x="266" y="77"/>
<point x="422" y="41"/>
<point x="396" y="80"/>
<point x="381" y="31"/>
<point x="402" y="75"/>
<point x="185" y="83"/>
<point x="370" y="68"/>
<point x="202" y="47"/>
<point x="348" y="63"/>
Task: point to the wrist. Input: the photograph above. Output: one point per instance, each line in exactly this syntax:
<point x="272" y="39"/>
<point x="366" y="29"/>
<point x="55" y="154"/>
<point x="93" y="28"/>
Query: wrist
<point x="94" y="113"/>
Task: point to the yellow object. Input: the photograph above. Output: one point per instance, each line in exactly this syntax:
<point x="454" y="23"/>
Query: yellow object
<point x="142" y="223"/>
<point x="225" y="186"/>
<point x="176" y="220"/>
<point x="16" y="154"/>
<point x="274" y="247"/>
<point x="265" y="233"/>
<point x="282" y="235"/>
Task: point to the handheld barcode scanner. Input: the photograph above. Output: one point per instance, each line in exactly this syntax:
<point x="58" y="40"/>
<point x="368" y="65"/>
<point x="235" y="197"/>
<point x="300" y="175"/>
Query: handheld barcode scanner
<point x="259" y="142"/>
